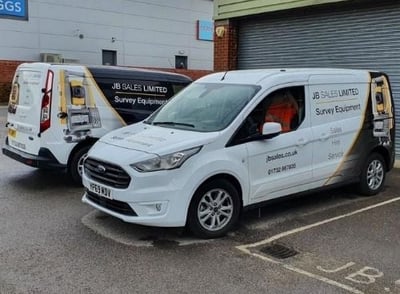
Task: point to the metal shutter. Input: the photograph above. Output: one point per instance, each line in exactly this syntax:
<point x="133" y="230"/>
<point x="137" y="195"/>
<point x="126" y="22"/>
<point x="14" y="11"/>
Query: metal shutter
<point x="350" y="37"/>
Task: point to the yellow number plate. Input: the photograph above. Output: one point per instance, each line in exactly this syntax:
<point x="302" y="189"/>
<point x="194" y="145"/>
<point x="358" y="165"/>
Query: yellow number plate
<point x="12" y="133"/>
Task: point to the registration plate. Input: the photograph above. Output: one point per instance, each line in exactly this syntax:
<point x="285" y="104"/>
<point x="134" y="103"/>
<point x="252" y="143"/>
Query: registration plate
<point x="100" y="190"/>
<point x="12" y="133"/>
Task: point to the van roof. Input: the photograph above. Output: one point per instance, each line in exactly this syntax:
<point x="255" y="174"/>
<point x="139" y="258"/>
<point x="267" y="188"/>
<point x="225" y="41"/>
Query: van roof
<point x="105" y="71"/>
<point x="136" y="73"/>
<point x="255" y="76"/>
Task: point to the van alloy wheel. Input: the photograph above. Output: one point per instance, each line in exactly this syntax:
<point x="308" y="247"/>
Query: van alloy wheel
<point x="214" y="209"/>
<point x="373" y="175"/>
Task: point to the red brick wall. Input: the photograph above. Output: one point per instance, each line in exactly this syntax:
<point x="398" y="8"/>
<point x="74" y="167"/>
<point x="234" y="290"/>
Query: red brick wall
<point x="194" y="74"/>
<point x="7" y="69"/>
<point x="225" y="46"/>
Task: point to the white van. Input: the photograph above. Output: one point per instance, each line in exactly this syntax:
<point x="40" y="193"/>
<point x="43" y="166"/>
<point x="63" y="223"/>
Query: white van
<point x="57" y="111"/>
<point x="234" y="140"/>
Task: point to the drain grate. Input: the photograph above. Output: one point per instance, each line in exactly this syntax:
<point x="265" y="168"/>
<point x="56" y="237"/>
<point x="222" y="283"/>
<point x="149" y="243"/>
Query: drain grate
<point x="279" y="251"/>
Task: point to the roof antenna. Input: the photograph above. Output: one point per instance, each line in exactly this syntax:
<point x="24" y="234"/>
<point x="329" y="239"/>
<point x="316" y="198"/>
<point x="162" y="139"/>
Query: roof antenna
<point x="223" y="78"/>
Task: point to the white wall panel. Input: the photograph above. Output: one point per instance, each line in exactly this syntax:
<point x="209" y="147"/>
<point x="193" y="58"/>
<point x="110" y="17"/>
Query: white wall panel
<point x="18" y="39"/>
<point x="147" y="33"/>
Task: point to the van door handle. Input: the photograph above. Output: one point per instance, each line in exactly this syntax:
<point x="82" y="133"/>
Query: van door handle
<point x="62" y="115"/>
<point x="301" y="142"/>
<point x="324" y="136"/>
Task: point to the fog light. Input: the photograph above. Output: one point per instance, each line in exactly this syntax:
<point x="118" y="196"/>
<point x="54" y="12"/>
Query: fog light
<point x="150" y="208"/>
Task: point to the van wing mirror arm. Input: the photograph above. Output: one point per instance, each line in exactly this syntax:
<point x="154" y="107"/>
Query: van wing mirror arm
<point x="258" y="137"/>
<point x="270" y="136"/>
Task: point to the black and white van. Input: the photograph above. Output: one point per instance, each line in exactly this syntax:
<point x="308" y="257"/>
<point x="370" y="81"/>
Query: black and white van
<point x="56" y="111"/>
<point x="236" y="139"/>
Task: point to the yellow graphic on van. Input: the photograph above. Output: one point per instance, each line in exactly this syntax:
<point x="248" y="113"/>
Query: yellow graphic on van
<point x="77" y="93"/>
<point x="63" y="102"/>
<point x="103" y="97"/>
<point x="14" y="97"/>
<point x="382" y="109"/>
<point x="78" y="107"/>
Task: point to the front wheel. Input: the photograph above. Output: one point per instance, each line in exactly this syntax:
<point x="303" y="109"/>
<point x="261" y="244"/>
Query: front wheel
<point x="372" y="175"/>
<point x="214" y="209"/>
<point x="75" y="166"/>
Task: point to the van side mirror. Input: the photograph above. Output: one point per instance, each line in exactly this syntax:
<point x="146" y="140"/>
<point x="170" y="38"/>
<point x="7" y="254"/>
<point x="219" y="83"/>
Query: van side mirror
<point x="271" y="129"/>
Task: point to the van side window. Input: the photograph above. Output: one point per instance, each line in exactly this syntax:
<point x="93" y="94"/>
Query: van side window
<point x="285" y="106"/>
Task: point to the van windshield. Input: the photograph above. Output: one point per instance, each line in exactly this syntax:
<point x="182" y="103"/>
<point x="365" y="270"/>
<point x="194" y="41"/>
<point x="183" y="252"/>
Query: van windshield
<point x="204" y="107"/>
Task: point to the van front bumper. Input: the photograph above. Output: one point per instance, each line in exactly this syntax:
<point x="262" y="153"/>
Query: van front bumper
<point x="45" y="159"/>
<point x="150" y="200"/>
<point x="143" y="213"/>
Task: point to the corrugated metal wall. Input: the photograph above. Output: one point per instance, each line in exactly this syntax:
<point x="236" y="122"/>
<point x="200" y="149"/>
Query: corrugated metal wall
<point x="343" y="36"/>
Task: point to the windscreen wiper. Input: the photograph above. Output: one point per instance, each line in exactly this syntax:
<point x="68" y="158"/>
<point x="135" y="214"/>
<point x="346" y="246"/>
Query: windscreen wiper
<point x="172" y="123"/>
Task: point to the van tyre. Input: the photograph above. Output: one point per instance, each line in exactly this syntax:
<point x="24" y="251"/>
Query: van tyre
<point x="214" y="209"/>
<point x="373" y="175"/>
<point x="75" y="166"/>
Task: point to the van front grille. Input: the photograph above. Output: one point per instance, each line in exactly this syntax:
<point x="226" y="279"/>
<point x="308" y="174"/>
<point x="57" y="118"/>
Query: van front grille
<point x="106" y="173"/>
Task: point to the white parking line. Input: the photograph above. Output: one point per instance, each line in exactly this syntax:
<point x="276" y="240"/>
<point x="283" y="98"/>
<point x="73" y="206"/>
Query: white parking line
<point x="323" y="279"/>
<point x="294" y="231"/>
<point x="246" y="248"/>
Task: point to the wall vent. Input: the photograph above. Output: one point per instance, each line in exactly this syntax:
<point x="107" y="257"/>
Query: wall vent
<point x="51" y="57"/>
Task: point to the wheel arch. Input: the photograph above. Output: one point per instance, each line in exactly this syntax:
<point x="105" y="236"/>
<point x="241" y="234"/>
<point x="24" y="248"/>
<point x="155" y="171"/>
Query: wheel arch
<point x="228" y="177"/>
<point x="197" y="227"/>
<point x="80" y="145"/>
<point x="385" y="153"/>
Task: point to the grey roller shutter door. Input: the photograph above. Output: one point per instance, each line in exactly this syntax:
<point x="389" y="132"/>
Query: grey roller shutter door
<point x="365" y="38"/>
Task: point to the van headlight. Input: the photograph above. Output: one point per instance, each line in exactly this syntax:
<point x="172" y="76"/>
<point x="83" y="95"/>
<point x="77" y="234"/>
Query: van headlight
<point x="169" y="161"/>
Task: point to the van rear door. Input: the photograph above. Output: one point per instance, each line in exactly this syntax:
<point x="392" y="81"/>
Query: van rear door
<point x="29" y="107"/>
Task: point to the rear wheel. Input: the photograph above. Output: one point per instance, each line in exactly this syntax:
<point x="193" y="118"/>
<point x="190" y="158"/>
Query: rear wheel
<point x="75" y="166"/>
<point x="372" y="175"/>
<point x="214" y="209"/>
